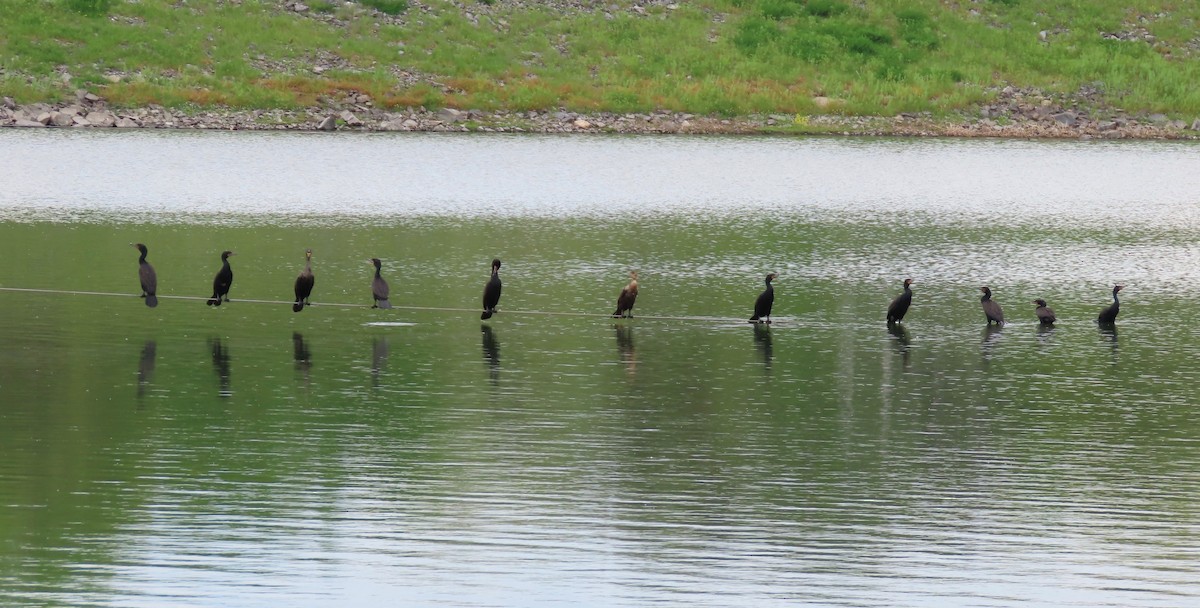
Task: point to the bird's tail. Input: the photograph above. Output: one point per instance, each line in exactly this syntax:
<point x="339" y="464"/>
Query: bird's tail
<point x="754" y="318"/>
<point x="151" y="300"/>
<point x="618" y="313"/>
<point x="298" y="306"/>
<point x="214" y="301"/>
<point x="383" y="304"/>
<point x="487" y="314"/>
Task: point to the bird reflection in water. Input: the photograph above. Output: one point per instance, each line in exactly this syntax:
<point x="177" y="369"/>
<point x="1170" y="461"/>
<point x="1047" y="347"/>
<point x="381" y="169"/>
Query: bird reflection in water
<point x="1045" y="333"/>
<point x="220" y="360"/>
<point x="625" y="349"/>
<point x="901" y="341"/>
<point x="991" y="337"/>
<point x="302" y="357"/>
<point x="491" y="353"/>
<point x="766" y="348"/>
<point x="379" y="355"/>
<point x="1108" y="333"/>
<point x="146" y="367"/>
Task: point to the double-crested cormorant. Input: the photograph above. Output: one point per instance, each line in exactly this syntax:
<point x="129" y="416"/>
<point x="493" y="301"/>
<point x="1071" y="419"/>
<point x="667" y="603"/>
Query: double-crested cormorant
<point x="762" y="306"/>
<point x="1109" y="315"/>
<point x="222" y="281"/>
<point x="1045" y="315"/>
<point x="491" y="292"/>
<point x="379" y="287"/>
<point x="627" y="298"/>
<point x="148" y="277"/>
<point x="899" y="306"/>
<point x="304" y="283"/>
<point x="990" y="308"/>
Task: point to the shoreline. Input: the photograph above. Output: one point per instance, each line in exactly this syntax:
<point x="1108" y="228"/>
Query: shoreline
<point x="1015" y="115"/>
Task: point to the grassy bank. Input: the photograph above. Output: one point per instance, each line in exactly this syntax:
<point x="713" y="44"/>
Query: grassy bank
<point x="709" y="57"/>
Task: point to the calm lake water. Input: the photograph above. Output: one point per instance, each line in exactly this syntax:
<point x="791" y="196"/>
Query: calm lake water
<point x="247" y="455"/>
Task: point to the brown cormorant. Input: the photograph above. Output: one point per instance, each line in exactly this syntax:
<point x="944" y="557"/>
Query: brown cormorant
<point x="1108" y="315"/>
<point x="222" y="281"/>
<point x="491" y="292"/>
<point x="304" y="283"/>
<point x="627" y="297"/>
<point x="148" y="277"/>
<point x="1045" y="315"/>
<point x="762" y="306"/>
<point x="379" y="287"/>
<point x="899" y="306"/>
<point x="990" y="308"/>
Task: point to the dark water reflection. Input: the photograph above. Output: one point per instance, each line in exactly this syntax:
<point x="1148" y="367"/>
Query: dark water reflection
<point x="145" y="373"/>
<point x="678" y="458"/>
<point x="491" y="353"/>
<point x="220" y="361"/>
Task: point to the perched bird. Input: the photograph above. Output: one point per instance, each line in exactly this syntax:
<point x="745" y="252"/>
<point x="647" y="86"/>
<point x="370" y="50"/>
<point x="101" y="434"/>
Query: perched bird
<point x="148" y="277"/>
<point x="762" y="306"/>
<point x="627" y="297"/>
<point x="990" y="308"/>
<point x="304" y="283"/>
<point x="1045" y="315"/>
<point x="899" y="306"/>
<point x="379" y="287"/>
<point x="1108" y="315"/>
<point x="222" y="281"/>
<point x="491" y="292"/>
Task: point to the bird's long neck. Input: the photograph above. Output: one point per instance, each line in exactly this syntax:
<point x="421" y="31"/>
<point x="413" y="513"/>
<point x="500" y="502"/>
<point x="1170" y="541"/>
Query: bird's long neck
<point x="377" y="275"/>
<point x="1115" y="300"/>
<point x="142" y="259"/>
<point x="987" y="295"/>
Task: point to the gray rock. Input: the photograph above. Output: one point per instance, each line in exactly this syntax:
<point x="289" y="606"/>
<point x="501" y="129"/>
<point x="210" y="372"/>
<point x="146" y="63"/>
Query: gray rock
<point x="125" y="122"/>
<point x="1065" y="118"/>
<point x="8" y="103"/>
<point x="392" y="125"/>
<point x="1178" y="124"/>
<point x="411" y="124"/>
<point x="102" y="119"/>
<point x="329" y="124"/>
<point x="80" y="121"/>
<point x="1157" y="119"/>
<point x="23" y="122"/>
<point x="449" y="115"/>
<point x="48" y="117"/>
<point x="1196" y="125"/>
<point x="350" y="119"/>
<point x="580" y="123"/>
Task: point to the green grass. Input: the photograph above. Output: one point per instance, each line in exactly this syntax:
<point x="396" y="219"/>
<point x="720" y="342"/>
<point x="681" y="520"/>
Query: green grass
<point x="722" y="57"/>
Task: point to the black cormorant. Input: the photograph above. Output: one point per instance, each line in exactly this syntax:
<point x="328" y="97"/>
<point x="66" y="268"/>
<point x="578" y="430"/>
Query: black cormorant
<point x="304" y="283"/>
<point x="1108" y="315"/>
<point x="491" y="292"/>
<point x="990" y="308"/>
<point x="1045" y="315"/>
<point x="899" y="306"/>
<point x="762" y="306"/>
<point x="379" y="287"/>
<point x="148" y="277"/>
<point x="222" y="281"/>
<point x="627" y="297"/>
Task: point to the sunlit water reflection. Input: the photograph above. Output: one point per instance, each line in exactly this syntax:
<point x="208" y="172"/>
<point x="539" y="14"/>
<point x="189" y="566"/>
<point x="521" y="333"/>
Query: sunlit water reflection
<point x="251" y="456"/>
